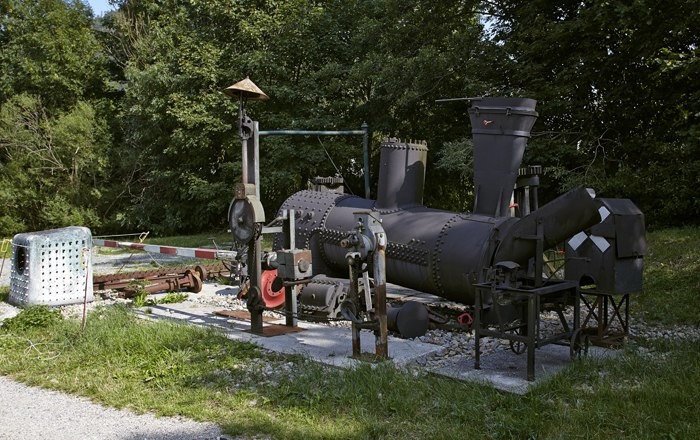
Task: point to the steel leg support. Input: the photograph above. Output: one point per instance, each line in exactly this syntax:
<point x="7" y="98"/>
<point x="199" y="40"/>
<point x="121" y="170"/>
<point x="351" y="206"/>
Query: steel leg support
<point x="255" y="303"/>
<point x="381" y="333"/>
<point x="532" y="312"/>
<point x="477" y="330"/>
<point x="290" y="305"/>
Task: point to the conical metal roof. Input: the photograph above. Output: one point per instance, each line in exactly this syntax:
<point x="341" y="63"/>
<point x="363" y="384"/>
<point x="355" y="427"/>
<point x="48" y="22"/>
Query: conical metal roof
<point x="246" y="89"/>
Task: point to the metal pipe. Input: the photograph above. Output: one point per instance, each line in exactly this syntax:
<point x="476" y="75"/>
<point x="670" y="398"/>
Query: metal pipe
<point x="365" y="157"/>
<point x="312" y="132"/>
<point x="256" y="158"/>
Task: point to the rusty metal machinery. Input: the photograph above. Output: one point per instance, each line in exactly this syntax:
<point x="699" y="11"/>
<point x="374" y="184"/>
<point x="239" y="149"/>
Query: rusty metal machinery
<point x="442" y="252"/>
<point x="246" y="215"/>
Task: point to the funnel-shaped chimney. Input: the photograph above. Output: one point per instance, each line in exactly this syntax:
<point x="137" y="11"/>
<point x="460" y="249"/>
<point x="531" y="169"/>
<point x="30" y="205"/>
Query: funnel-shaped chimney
<point x="500" y="129"/>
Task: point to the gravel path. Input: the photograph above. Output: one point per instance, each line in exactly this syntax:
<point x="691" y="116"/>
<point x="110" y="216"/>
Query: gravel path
<point x="34" y="413"/>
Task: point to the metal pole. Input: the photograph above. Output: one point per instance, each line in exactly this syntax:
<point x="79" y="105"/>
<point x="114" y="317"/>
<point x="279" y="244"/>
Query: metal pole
<point x="312" y="132"/>
<point x="292" y="229"/>
<point x="244" y="159"/>
<point x="381" y="333"/>
<point x="291" y="292"/>
<point x="256" y="159"/>
<point x="365" y="156"/>
<point x="256" y="304"/>
<point x="353" y="294"/>
<point x="532" y="316"/>
<point x="290" y="305"/>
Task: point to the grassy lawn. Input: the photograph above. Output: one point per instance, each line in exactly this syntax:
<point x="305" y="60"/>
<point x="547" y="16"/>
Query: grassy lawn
<point x="649" y="391"/>
<point x="671" y="278"/>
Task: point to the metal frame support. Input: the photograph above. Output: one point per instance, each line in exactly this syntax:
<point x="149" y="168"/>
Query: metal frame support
<point x="379" y="264"/>
<point x="563" y="292"/>
<point x="367" y="241"/>
<point x="249" y="134"/>
<point x="611" y="318"/>
<point x="290" y="292"/>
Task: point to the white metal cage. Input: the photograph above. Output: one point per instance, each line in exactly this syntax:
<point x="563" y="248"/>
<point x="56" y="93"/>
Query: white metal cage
<point x="51" y="267"/>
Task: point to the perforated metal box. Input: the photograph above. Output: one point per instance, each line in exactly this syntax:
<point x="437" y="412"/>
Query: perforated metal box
<point x="51" y="267"/>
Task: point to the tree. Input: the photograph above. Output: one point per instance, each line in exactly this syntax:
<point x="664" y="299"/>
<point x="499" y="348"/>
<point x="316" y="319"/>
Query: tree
<point x="49" y="50"/>
<point x="53" y="135"/>
<point x="50" y="167"/>
<point x="326" y="64"/>
<point x="618" y="89"/>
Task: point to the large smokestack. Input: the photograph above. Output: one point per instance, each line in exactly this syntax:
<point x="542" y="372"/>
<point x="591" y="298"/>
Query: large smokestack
<point x="401" y="174"/>
<point x="500" y="129"/>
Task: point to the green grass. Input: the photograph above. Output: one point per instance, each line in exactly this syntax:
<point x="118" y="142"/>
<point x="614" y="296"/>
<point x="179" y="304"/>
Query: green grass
<point x="190" y="241"/>
<point x="671" y="278"/>
<point x="174" y="369"/>
<point x="648" y="391"/>
<point x="193" y="241"/>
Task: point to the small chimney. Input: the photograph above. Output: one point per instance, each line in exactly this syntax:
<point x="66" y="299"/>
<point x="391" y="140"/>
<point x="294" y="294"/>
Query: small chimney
<point x="401" y="174"/>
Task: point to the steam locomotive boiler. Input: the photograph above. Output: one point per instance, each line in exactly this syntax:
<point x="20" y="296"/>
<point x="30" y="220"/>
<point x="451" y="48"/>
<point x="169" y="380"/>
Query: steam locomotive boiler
<point x="436" y="251"/>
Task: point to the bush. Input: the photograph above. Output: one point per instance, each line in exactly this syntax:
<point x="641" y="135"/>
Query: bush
<point x="31" y="317"/>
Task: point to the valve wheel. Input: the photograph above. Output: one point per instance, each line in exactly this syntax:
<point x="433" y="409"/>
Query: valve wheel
<point x="273" y="298"/>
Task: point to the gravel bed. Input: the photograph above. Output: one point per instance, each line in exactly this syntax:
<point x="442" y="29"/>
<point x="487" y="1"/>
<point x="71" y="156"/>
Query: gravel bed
<point x="29" y="412"/>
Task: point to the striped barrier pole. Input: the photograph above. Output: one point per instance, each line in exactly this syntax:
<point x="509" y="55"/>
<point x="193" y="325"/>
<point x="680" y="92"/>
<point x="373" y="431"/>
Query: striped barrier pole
<point x="211" y="254"/>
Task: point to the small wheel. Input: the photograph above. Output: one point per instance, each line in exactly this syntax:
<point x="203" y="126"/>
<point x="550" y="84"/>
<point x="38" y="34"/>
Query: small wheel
<point x="518" y="347"/>
<point x="201" y="271"/>
<point x="196" y="286"/>
<point x="274" y="298"/>
<point x="241" y="217"/>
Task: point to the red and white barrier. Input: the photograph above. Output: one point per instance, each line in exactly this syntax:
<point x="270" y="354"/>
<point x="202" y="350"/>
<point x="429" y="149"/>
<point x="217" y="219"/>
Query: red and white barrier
<point x="211" y="254"/>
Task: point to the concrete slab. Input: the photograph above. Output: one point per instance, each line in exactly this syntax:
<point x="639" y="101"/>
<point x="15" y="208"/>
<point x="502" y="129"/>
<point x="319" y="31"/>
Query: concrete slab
<point x="329" y="345"/>
<point x="507" y="371"/>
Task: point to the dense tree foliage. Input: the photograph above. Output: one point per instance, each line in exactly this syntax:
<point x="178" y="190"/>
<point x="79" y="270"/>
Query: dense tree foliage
<point x="54" y="140"/>
<point x="119" y="122"/>
<point x="619" y="96"/>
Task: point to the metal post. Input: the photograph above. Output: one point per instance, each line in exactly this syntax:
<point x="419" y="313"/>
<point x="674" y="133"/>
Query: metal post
<point x="256" y="159"/>
<point x="290" y="292"/>
<point x="353" y="294"/>
<point x="365" y="157"/>
<point x="256" y="304"/>
<point x="290" y="305"/>
<point x="381" y="333"/>
<point x="532" y="312"/>
<point x="477" y="328"/>
<point x="539" y="253"/>
<point x="244" y="159"/>
<point x="292" y="229"/>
